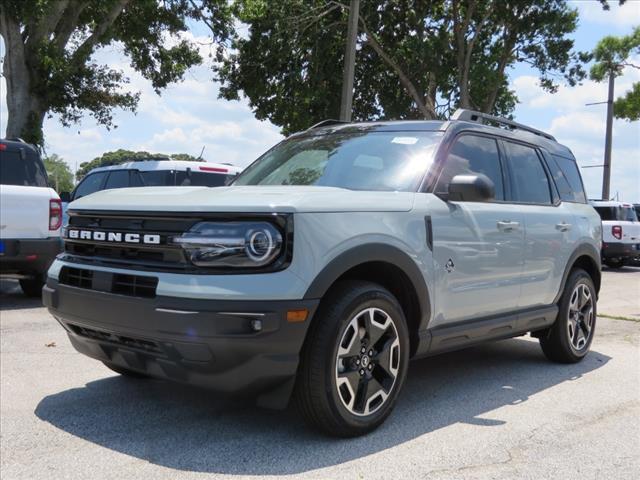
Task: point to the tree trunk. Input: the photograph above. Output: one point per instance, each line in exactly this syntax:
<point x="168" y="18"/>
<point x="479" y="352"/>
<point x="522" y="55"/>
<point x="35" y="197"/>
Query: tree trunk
<point x="25" y="111"/>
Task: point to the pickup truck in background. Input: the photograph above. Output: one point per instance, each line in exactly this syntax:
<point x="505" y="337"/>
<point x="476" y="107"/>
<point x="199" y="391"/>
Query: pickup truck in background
<point x="30" y="217"/>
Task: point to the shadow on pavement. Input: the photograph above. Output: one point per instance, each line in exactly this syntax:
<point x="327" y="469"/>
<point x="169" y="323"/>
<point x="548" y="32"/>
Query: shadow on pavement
<point x="192" y="430"/>
<point x="12" y="298"/>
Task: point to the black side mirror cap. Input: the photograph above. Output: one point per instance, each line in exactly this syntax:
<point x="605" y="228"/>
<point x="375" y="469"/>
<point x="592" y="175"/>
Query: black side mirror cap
<point x="65" y="197"/>
<point x="471" y="188"/>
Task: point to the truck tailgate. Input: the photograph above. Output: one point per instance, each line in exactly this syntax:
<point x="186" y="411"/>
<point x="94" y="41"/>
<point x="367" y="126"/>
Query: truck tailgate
<point x="24" y="212"/>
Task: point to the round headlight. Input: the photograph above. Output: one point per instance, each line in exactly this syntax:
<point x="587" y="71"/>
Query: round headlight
<point x="260" y="245"/>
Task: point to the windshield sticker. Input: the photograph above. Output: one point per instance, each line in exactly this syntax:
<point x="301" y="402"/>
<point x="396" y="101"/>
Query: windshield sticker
<point x="405" y="140"/>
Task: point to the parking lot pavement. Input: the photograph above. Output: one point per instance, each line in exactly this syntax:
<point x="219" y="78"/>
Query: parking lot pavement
<point x="495" y="411"/>
<point x="620" y="292"/>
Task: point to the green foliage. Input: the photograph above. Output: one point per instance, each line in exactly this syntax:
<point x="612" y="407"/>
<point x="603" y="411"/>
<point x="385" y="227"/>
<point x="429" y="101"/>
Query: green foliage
<point x="122" y="156"/>
<point x="611" y="56"/>
<point x="628" y="106"/>
<point x="290" y="64"/>
<point x="59" y="173"/>
<point x="56" y="39"/>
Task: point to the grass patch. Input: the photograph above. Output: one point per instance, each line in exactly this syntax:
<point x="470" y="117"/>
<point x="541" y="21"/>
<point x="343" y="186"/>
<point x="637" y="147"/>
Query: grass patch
<point x="619" y="317"/>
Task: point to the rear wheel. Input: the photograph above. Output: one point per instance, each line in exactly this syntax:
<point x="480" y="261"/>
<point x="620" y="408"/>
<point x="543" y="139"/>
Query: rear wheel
<point x="354" y="361"/>
<point x="32" y="287"/>
<point x="569" y="339"/>
<point x="125" y="371"/>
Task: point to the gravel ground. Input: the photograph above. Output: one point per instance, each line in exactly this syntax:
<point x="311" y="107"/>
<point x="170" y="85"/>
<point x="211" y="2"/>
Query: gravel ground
<point x="495" y="411"/>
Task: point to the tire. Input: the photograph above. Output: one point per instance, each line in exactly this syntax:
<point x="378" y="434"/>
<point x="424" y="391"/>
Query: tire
<point x="614" y="263"/>
<point x="32" y="287"/>
<point x="125" y="371"/>
<point x="570" y="337"/>
<point x="332" y="361"/>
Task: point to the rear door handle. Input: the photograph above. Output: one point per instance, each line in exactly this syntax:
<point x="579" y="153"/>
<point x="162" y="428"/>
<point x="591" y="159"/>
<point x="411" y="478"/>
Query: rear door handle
<point x="507" y="226"/>
<point x="563" y="227"/>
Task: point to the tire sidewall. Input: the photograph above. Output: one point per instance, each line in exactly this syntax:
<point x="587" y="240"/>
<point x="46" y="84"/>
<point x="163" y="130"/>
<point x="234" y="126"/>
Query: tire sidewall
<point x="383" y="300"/>
<point x="577" y="278"/>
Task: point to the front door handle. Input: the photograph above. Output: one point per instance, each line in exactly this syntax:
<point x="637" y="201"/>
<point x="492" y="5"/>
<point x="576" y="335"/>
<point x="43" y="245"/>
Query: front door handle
<point x="507" y="226"/>
<point x="563" y="227"/>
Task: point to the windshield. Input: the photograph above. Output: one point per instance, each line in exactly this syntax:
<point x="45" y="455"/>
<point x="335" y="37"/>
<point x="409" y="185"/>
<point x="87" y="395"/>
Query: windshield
<point x="375" y="161"/>
<point x="619" y="214"/>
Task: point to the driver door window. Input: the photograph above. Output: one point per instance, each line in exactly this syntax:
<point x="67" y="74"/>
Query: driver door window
<point x="473" y="154"/>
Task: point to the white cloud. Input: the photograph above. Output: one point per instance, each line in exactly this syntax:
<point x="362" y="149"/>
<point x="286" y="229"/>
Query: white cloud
<point x="620" y="16"/>
<point x="248" y="138"/>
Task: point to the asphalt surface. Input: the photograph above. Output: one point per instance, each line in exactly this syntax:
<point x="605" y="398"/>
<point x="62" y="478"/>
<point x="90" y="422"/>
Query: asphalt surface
<point x="496" y="411"/>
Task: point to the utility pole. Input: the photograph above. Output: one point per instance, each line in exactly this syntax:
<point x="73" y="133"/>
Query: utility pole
<point x="606" y="174"/>
<point x="349" y="62"/>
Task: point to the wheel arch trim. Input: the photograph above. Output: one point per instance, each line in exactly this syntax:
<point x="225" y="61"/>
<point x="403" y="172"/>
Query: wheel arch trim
<point x="583" y="250"/>
<point x="368" y="253"/>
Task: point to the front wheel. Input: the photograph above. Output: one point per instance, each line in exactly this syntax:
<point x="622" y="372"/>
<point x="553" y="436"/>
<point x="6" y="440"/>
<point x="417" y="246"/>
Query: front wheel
<point x="354" y="361"/>
<point x="570" y="337"/>
<point x="614" y="263"/>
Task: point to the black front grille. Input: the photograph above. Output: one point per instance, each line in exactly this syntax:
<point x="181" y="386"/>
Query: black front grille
<point x="76" y="277"/>
<point x="121" y="284"/>
<point x="125" y="341"/>
<point x="134" y="285"/>
<point x="163" y="257"/>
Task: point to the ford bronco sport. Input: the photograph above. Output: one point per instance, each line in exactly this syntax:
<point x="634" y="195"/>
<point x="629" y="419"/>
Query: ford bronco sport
<point x="332" y="260"/>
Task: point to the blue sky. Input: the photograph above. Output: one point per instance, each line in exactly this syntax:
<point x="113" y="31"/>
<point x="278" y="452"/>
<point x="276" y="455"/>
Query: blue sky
<point x="188" y="116"/>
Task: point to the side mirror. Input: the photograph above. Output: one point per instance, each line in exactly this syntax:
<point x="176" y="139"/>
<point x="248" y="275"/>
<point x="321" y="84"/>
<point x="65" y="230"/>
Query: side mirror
<point x="65" y="197"/>
<point x="471" y="188"/>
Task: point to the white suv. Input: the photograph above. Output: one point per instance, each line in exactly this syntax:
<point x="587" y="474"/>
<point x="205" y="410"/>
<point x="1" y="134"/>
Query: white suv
<point x="30" y="217"/>
<point x="155" y="173"/>
<point x="620" y="232"/>
<point x="332" y="260"/>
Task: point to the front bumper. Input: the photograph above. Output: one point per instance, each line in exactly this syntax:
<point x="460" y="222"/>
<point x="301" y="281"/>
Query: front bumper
<point x="208" y="343"/>
<point x="29" y="256"/>
<point x="622" y="251"/>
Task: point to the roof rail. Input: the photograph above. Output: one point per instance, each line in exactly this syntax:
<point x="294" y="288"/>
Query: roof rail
<point x="473" y="116"/>
<point x="325" y="123"/>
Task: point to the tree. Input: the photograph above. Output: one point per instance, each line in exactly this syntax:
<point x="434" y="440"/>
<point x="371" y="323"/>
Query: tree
<point x="59" y="173"/>
<point x="122" y="156"/>
<point x="49" y="45"/>
<point x="611" y="56"/>
<point x="416" y="58"/>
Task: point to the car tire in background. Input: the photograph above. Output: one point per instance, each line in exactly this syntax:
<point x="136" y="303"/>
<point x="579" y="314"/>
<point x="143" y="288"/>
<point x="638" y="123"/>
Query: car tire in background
<point x="614" y="263"/>
<point x="32" y="287"/>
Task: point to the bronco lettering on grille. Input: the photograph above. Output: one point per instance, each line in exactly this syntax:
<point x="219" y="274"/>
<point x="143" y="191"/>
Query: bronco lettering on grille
<point x="117" y="237"/>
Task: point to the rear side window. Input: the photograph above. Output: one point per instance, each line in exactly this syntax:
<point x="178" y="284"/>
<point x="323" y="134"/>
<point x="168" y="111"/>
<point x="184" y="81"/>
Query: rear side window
<point x="530" y="181"/>
<point x="118" y="179"/>
<point x="18" y="170"/>
<point x="200" y="179"/>
<point x="472" y="154"/>
<point x="135" y="180"/>
<point x="619" y="214"/>
<point x="568" y="180"/>
<point x="157" y="178"/>
<point x="89" y="185"/>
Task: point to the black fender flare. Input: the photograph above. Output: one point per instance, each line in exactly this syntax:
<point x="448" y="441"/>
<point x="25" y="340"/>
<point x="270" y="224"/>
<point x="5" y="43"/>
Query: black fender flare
<point x="374" y="252"/>
<point x="584" y="249"/>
